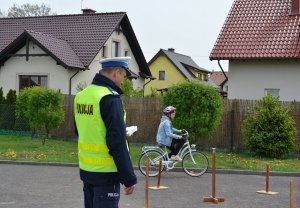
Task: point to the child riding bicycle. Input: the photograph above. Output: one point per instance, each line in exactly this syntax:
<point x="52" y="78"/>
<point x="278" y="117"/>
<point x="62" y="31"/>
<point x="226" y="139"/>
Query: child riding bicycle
<point x="169" y="136"/>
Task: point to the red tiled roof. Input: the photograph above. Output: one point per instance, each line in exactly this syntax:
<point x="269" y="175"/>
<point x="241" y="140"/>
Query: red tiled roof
<point x="218" y="77"/>
<point x="258" y="29"/>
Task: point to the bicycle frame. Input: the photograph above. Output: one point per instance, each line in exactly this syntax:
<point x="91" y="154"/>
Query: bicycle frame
<point x="169" y="164"/>
<point x="186" y="147"/>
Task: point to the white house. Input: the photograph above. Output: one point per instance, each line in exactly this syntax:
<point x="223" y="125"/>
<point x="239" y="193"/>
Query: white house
<point x="261" y="41"/>
<point x="63" y="51"/>
<point x="220" y="79"/>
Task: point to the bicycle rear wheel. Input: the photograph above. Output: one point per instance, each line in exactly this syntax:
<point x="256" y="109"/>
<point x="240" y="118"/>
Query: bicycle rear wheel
<point x="194" y="164"/>
<point x="154" y="157"/>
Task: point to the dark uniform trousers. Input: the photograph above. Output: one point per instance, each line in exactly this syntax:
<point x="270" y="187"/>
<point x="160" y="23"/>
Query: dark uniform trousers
<point x="101" y="196"/>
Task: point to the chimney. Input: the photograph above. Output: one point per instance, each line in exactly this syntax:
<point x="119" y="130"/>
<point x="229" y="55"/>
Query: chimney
<point x="171" y="49"/>
<point x="295" y="7"/>
<point x="88" y="11"/>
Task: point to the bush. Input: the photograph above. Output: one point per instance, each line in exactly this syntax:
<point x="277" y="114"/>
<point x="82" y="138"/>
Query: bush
<point x="2" y="98"/>
<point x="199" y="107"/>
<point x="127" y="89"/>
<point x="42" y="108"/>
<point x="270" y="131"/>
<point x="80" y="86"/>
<point x="11" y="97"/>
<point x="7" y="109"/>
<point x="154" y="92"/>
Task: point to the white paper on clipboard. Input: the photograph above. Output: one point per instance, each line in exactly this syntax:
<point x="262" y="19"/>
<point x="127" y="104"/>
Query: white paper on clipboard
<point x="130" y="130"/>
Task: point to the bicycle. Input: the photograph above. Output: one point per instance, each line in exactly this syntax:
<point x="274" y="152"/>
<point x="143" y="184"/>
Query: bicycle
<point x="194" y="163"/>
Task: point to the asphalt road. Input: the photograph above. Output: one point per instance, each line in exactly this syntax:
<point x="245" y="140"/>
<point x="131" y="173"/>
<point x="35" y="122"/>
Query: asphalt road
<point x="32" y="186"/>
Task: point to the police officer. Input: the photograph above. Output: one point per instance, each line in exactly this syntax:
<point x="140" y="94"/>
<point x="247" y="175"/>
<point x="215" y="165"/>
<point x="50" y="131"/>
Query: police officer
<point x="104" y="160"/>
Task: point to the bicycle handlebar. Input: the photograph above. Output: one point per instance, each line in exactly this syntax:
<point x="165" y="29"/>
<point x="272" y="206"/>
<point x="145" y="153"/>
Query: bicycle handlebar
<point x="185" y="133"/>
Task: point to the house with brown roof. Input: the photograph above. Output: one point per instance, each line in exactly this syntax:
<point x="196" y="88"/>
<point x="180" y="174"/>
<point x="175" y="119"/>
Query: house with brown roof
<point x="221" y="80"/>
<point x="261" y="40"/>
<point x="172" y="68"/>
<point x="63" y="51"/>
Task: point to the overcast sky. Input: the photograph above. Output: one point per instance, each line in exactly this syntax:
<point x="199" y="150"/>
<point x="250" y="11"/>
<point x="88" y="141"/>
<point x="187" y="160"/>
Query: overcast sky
<point x="191" y="27"/>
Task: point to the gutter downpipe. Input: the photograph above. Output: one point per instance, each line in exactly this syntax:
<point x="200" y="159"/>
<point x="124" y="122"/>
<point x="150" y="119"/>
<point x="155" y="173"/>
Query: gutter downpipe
<point x="146" y="84"/>
<point x="222" y="70"/>
<point x="70" y="90"/>
<point x="69" y="102"/>
<point x="232" y="116"/>
<point x="70" y="82"/>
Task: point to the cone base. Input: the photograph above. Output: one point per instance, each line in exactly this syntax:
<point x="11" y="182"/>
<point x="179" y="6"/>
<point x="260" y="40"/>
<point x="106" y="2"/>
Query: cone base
<point x="267" y="192"/>
<point x="158" y="188"/>
<point x="214" y="199"/>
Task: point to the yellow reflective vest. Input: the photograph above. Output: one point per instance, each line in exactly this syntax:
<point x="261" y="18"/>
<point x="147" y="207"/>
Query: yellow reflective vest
<point x="93" y="153"/>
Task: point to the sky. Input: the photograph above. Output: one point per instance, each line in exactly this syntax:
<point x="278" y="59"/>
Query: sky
<point x="191" y="27"/>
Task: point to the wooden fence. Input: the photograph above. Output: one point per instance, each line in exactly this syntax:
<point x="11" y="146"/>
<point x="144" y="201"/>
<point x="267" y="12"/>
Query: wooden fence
<point x="229" y="133"/>
<point x="146" y="112"/>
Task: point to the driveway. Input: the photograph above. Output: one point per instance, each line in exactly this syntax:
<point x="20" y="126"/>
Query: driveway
<point x="36" y="186"/>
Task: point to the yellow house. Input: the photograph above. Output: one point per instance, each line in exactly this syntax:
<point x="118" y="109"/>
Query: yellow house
<point x="171" y="68"/>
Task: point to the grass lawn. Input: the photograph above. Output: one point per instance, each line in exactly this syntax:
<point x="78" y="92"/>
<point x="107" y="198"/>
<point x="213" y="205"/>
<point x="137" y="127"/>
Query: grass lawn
<point x="26" y="149"/>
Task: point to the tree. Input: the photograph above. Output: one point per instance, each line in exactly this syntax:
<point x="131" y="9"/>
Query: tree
<point x="127" y="89"/>
<point x="199" y="107"/>
<point x="22" y="109"/>
<point x="270" y="131"/>
<point x="7" y="111"/>
<point x="2" y="14"/>
<point x="11" y="97"/>
<point x="80" y="86"/>
<point x="2" y="98"/>
<point x="27" y="10"/>
<point x="43" y="108"/>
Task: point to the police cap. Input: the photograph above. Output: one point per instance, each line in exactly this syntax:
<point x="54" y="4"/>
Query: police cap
<point x="122" y="62"/>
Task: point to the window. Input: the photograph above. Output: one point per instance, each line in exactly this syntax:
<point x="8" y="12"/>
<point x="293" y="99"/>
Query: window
<point x="115" y="49"/>
<point x="200" y="76"/>
<point x="32" y="80"/>
<point x="126" y="53"/>
<point x="273" y="92"/>
<point x="104" y="52"/>
<point x="161" y="75"/>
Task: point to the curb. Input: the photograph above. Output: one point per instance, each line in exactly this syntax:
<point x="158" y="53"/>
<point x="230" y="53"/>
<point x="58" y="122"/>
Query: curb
<point x="260" y="173"/>
<point x="218" y="171"/>
<point x="38" y="163"/>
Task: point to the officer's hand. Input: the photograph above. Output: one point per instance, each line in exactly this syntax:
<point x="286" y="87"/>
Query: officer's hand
<point x="129" y="190"/>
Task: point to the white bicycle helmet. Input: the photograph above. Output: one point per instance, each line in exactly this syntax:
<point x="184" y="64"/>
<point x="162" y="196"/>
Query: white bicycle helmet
<point x="169" y="109"/>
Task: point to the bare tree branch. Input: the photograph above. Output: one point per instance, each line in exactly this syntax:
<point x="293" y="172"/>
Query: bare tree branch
<point x="27" y="10"/>
<point x="2" y="14"/>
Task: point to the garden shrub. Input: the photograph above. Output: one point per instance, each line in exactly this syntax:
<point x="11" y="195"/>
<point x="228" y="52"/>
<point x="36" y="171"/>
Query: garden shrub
<point x="80" y="86"/>
<point x="2" y="98"/>
<point x="270" y="131"/>
<point x="43" y="108"/>
<point x="11" y="97"/>
<point x="199" y="107"/>
<point x="127" y="89"/>
<point x="7" y="110"/>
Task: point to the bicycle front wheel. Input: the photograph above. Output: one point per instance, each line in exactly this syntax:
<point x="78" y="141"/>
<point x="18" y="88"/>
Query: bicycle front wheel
<point x="154" y="158"/>
<point x="194" y="164"/>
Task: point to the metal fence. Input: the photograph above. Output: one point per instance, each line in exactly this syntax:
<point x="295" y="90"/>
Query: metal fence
<point x="10" y="124"/>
